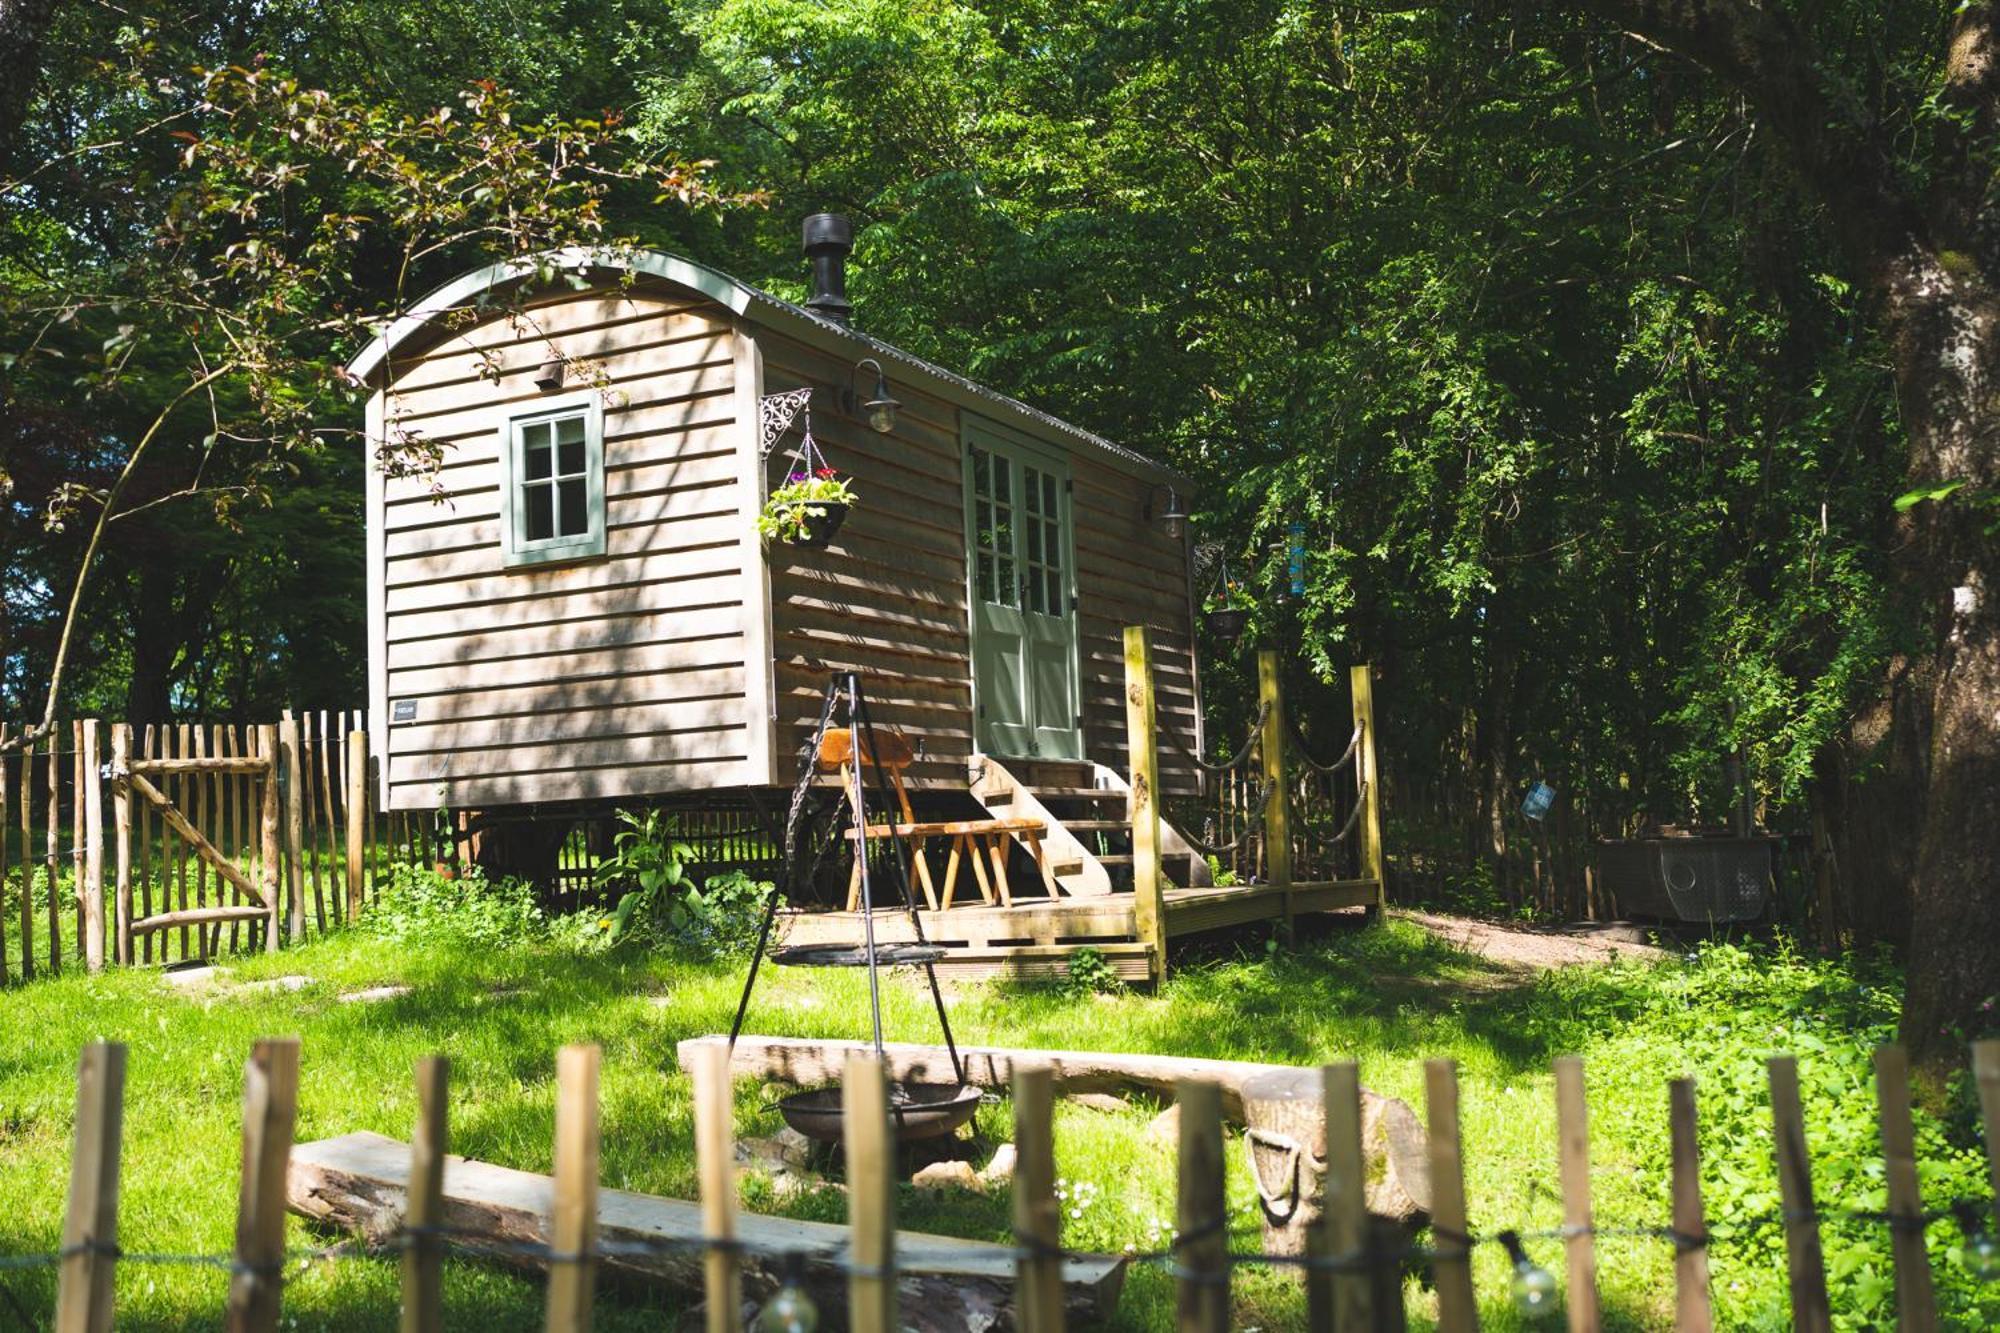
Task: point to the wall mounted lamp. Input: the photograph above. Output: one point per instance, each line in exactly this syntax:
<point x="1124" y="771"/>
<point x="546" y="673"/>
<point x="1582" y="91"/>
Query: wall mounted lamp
<point x="879" y="409"/>
<point x="1170" y="511"/>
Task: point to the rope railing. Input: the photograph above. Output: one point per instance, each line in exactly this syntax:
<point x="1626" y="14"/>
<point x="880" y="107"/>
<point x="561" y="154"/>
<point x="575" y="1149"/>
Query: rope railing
<point x="1298" y="741"/>
<point x="1236" y="760"/>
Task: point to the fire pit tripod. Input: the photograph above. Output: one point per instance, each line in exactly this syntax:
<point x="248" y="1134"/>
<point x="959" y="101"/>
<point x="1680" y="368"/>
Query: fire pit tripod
<point x="918" y="1110"/>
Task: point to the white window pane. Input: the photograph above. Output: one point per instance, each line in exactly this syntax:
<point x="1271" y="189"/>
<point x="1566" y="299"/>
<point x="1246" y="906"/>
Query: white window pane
<point x="569" y="430"/>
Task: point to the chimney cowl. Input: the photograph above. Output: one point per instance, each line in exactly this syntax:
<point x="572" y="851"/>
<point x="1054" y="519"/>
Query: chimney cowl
<point x="829" y="237"/>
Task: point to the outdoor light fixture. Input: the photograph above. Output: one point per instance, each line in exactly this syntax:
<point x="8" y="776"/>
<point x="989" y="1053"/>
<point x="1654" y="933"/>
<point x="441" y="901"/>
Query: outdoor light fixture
<point x="1172" y="513"/>
<point x="878" y="408"/>
<point x="550" y="377"/>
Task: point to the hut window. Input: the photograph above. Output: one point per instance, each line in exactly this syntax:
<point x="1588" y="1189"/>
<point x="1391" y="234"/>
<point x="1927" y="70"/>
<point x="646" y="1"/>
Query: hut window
<point x="554" y="461"/>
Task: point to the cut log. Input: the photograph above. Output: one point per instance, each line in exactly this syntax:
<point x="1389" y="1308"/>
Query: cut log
<point x="358" y="1182"/>
<point x="1398" y="1166"/>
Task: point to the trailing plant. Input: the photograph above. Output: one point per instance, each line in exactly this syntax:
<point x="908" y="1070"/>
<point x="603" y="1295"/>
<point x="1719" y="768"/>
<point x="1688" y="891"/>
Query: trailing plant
<point x="662" y="903"/>
<point x="1091" y="973"/>
<point x="806" y="494"/>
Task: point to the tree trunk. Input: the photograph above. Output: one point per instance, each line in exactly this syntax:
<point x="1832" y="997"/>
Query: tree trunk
<point x="1944" y="320"/>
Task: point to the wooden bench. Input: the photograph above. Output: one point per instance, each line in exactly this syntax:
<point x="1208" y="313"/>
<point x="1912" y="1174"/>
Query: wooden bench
<point x="982" y="842"/>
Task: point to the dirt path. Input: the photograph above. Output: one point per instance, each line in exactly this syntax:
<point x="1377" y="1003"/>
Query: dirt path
<point x="1537" y="948"/>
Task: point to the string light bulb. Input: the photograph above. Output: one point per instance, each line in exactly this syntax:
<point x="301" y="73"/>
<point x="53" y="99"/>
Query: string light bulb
<point x="789" y="1311"/>
<point x="1533" y="1287"/>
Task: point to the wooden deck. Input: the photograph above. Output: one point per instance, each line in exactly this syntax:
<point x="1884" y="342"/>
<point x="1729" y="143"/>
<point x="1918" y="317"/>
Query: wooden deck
<point x="1036" y="938"/>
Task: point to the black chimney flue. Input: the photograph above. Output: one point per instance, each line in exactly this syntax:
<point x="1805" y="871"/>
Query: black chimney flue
<point x="828" y="238"/>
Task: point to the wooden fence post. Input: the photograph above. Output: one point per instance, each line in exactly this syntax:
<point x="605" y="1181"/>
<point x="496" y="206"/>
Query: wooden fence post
<point x="270" y="1111"/>
<point x="1810" y="1313"/>
<point x="121" y="814"/>
<point x="1573" y="1148"/>
<point x="357" y="817"/>
<point x="1916" y="1300"/>
<point x="5" y="831"/>
<point x="295" y="830"/>
<point x="1037" y="1214"/>
<point x="1343" y="1298"/>
<point x="1368" y="781"/>
<point x="89" y="833"/>
<point x="52" y="861"/>
<point x="573" y="1224"/>
<point x="267" y="746"/>
<point x="715" y="1162"/>
<point x="1452" y="1268"/>
<point x="423" y="1278"/>
<point x="90" y="1226"/>
<point x="1202" y="1214"/>
<point x="1692" y="1312"/>
<point x="27" y="862"/>
<point x="1986" y="1075"/>
<point x="1278" y="796"/>
<point x="871" y="1196"/>
<point x="1149" y="900"/>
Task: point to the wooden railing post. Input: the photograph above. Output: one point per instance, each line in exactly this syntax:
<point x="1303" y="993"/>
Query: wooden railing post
<point x="573" y="1224"/>
<point x="423" y="1260"/>
<point x="1986" y="1077"/>
<point x="1037" y="1214"/>
<point x="357" y="817"/>
<point x="27" y="862"/>
<point x="715" y="1164"/>
<point x="52" y="850"/>
<point x="871" y="1196"/>
<point x="90" y="1226"/>
<point x="270" y="1111"/>
<point x="1368" y="781"/>
<point x="1277" y="780"/>
<point x="121" y="815"/>
<point x="1452" y="1268"/>
<point x="1149" y="899"/>
<point x="1202" y="1211"/>
<point x="1573" y="1154"/>
<point x="1916" y="1298"/>
<point x="1810" y="1312"/>
<point x="5" y="829"/>
<point x="89" y="833"/>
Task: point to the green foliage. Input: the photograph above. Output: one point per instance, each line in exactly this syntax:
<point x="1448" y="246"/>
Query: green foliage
<point x="1091" y="973"/>
<point x="661" y="904"/>
<point x="422" y="905"/>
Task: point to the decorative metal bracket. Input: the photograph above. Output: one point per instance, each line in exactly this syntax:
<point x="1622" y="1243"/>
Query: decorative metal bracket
<point x="777" y="411"/>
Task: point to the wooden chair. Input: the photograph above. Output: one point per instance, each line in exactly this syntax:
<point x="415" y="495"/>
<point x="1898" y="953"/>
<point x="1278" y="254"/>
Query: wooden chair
<point x="983" y="842"/>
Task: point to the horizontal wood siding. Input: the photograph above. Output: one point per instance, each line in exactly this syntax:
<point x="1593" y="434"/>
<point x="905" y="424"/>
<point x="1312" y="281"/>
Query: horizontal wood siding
<point x="888" y="598"/>
<point x="615" y="676"/>
<point x="1130" y="573"/>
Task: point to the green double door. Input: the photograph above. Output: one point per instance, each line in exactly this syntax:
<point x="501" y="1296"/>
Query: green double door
<point x="1021" y="568"/>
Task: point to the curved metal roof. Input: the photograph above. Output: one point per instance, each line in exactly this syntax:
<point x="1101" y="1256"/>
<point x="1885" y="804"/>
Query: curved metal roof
<point x="757" y="306"/>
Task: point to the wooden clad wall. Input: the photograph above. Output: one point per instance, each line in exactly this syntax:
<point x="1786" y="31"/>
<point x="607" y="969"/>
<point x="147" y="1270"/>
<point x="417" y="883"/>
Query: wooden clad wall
<point x="1130" y="573"/>
<point x="619" y="675"/>
<point x="889" y="597"/>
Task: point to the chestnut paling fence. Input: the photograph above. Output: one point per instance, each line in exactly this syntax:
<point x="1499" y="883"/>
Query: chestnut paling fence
<point x="1339" y="1267"/>
<point x="164" y="843"/>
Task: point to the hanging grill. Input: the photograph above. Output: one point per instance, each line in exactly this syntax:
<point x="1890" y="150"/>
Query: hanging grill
<point x="916" y="1110"/>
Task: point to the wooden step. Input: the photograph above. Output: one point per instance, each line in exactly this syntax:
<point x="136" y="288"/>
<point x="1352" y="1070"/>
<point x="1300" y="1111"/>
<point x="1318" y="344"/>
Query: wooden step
<point x="1078" y="794"/>
<point x="1098" y="825"/>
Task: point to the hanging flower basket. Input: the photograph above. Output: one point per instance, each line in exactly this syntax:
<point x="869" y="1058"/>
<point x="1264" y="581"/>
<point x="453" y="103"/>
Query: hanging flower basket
<point x="1226" y="623"/>
<point x="808" y="509"/>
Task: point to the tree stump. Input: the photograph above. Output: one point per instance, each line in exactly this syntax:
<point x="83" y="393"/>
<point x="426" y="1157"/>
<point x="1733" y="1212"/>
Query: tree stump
<point x="1284" y="1137"/>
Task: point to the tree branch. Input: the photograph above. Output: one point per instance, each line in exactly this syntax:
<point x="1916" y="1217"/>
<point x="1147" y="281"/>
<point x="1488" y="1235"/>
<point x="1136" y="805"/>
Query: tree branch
<point x="1834" y="143"/>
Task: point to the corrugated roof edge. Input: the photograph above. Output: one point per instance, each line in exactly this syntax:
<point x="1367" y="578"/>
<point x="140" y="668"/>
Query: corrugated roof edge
<point x="741" y="299"/>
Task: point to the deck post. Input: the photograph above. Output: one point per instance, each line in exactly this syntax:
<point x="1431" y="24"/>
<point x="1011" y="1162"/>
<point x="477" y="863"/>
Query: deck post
<point x="1277" y="782"/>
<point x="1149" y="900"/>
<point x="1368" y="782"/>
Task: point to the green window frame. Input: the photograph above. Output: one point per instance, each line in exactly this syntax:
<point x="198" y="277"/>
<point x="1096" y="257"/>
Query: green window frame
<point x="552" y="495"/>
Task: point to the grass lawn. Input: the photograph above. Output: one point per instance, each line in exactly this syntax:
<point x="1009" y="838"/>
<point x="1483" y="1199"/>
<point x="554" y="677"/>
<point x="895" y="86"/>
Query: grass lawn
<point x="1388" y="997"/>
